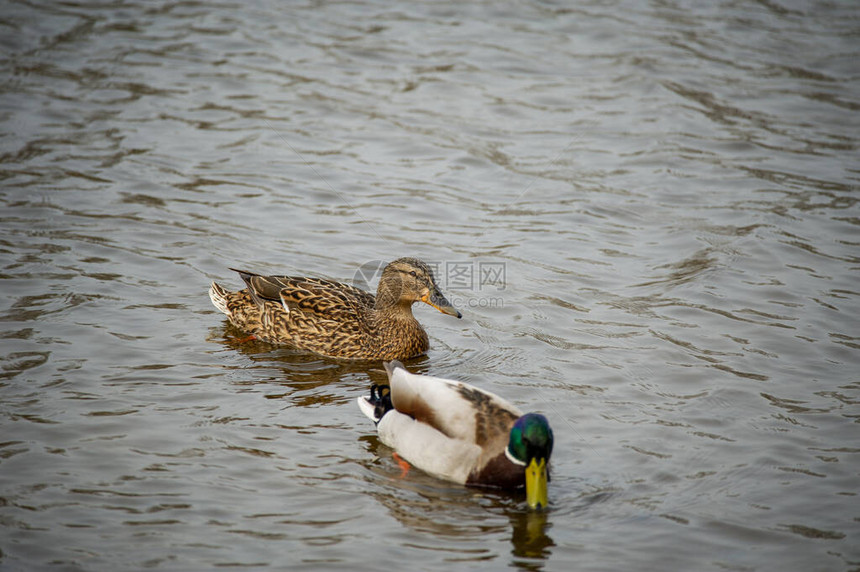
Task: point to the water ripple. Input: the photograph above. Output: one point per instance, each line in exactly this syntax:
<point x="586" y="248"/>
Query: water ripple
<point x="669" y="189"/>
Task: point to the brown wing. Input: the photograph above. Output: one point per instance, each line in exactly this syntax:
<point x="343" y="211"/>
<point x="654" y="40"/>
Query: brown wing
<point x="331" y="300"/>
<point x="493" y="418"/>
<point x="328" y="299"/>
<point x="459" y="410"/>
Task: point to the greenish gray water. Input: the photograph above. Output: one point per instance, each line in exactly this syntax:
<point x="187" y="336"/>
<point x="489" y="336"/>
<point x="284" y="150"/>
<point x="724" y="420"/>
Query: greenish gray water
<point x="647" y="214"/>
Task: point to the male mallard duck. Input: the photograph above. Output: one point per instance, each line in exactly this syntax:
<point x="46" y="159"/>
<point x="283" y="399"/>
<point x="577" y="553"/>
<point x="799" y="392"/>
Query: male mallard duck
<point x="458" y="432"/>
<point x="335" y="319"/>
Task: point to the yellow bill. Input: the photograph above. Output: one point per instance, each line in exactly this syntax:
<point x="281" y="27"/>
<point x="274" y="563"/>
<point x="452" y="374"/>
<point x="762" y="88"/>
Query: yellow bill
<point x="536" y="484"/>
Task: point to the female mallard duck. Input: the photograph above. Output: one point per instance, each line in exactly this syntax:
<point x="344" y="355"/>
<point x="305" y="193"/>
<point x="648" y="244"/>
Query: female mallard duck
<point x="461" y="433"/>
<point x="334" y="319"/>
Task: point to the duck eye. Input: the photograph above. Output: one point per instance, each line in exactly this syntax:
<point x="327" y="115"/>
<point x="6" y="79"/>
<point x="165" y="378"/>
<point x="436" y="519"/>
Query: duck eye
<point x="413" y="274"/>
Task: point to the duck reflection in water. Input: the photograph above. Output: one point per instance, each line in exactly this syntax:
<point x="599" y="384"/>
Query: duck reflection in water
<point x="303" y="379"/>
<point x="529" y="537"/>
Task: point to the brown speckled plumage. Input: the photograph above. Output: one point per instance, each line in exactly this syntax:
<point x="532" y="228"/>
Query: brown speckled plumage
<point x="335" y="319"/>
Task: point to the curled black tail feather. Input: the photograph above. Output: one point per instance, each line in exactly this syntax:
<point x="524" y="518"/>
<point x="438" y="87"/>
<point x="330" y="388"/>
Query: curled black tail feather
<point x="380" y="398"/>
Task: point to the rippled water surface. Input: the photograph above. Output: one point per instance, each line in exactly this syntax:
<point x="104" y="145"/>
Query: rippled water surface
<point x="647" y="213"/>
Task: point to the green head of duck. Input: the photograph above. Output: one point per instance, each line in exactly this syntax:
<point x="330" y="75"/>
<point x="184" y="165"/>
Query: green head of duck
<point x="530" y="445"/>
